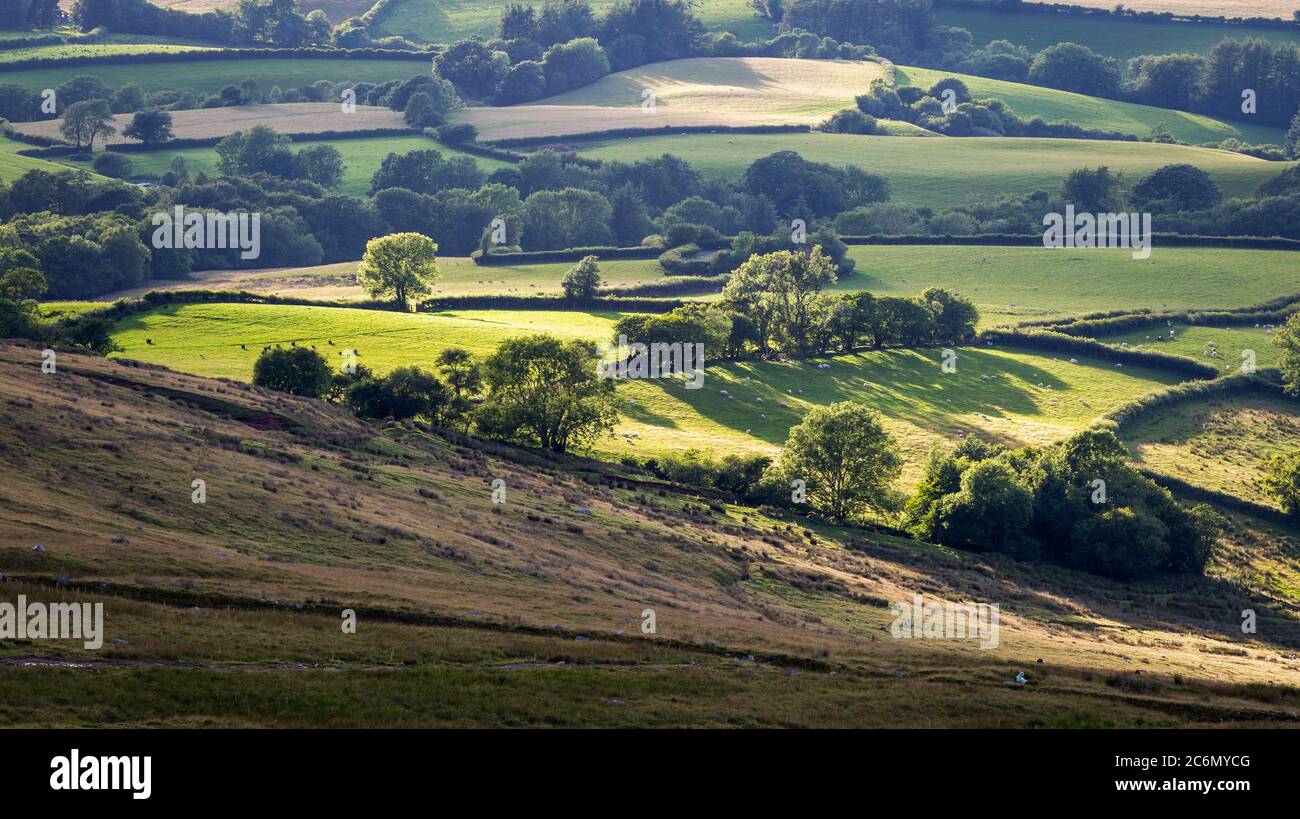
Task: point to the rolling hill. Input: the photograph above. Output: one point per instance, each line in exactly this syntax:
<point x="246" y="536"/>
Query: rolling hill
<point x="921" y="171"/>
<point x="727" y="91"/>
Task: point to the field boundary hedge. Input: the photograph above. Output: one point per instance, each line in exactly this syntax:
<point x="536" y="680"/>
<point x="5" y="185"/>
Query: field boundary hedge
<point x="1201" y="493"/>
<point x="1091" y="325"/>
<point x="1263" y="382"/>
<point x="63" y="149"/>
<point x="1036" y="240"/>
<point x="37" y="40"/>
<point x="663" y="130"/>
<point x="1067" y="10"/>
<point x="1050" y="341"/>
<point x="571" y="254"/>
<point x="210" y="54"/>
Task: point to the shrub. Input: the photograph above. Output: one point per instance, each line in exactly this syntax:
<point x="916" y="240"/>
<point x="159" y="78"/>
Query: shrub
<point x="295" y="370"/>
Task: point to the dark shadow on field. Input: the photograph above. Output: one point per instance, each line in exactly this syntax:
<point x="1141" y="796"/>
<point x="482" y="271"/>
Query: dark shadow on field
<point x="916" y="390"/>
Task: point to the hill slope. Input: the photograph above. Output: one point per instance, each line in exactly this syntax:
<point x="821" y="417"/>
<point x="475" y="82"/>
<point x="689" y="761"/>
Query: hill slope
<point x="698" y="91"/>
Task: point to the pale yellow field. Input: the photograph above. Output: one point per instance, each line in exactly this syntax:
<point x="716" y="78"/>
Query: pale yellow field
<point x="727" y="91"/>
<point x="1211" y="8"/>
<point x="287" y="118"/>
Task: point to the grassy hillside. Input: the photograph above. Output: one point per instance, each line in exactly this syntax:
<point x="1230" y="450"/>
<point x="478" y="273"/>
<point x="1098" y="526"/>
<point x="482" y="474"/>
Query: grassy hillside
<point x="1221" y="443"/>
<point x="12" y="165"/>
<point x="1096" y="112"/>
<point x="361" y="158"/>
<point x="457" y="276"/>
<point x="921" y="170"/>
<point x="1228" y="344"/>
<point x="1009" y="284"/>
<point x="723" y="91"/>
<point x="94" y="50"/>
<point x="1016" y="396"/>
<point x="208" y="77"/>
<point x="446" y="21"/>
<point x="227" y="613"/>
<point x="1117" y="37"/>
<point x="1017" y="283"/>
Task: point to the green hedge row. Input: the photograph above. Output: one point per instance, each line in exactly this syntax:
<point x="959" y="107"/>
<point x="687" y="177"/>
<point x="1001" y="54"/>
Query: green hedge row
<point x="671" y="286"/>
<point x="1201" y="493"/>
<point x="1272" y="312"/>
<point x="313" y="53"/>
<point x="626" y="305"/>
<point x="1036" y="240"/>
<point x="663" y="130"/>
<point x="571" y="254"/>
<point x="1061" y="343"/>
<point x="1262" y="381"/>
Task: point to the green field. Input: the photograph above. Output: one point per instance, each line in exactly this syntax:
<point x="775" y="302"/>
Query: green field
<point x="13" y="166"/>
<point x="1012" y="284"/>
<point x="361" y="158"/>
<point x="1023" y="396"/>
<point x="1229" y="343"/>
<point x="1222" y="444"/>
<point x="205" y="338"/>
<point x="446" y="21"/>
<point x="1116" y="37"/>
<point x="1096" y="112"/>
<point x="94" y="50"/>
<point x="942" y="173"/>
<point x="208" y="77"/>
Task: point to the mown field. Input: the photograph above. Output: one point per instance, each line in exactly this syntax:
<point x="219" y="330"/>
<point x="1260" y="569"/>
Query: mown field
<point x="1008" y="284"/>
<point x="1117" y="37"/>
<point x="1220" y="347"/>
<point x="209" y="76"/>
<point x="1012" y="284"/>
<point x="1222" y="444"/>
<point x="445" y="21"/>
<point x="94" y="50"/>
<point x="13" y="166"/>
<point x="700" y="91"/>
<point x="1012" y="395"/>
<point x="287" y="118"/>
<point x="1097" y="112"/>
<point x="941" y="173"/>
<point x="361" y="158"/>
<point x="457" y="276"/>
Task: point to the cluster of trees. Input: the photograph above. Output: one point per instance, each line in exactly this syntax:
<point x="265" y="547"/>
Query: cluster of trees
<point x="775" y="302"/>
<point x="1078" y="503"/>
<point x="534" y="390"/>
<point x="963" y="116"/>
<point x="262" y="150"/>
<point x="251" y="22"/>
<point x="27" y="15"/>
<point x="779" y="299"/>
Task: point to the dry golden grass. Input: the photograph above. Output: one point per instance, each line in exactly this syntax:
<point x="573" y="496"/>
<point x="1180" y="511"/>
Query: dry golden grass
<point x="1212" y="8"/>
<point x="287" y="118"/>
<point x="726" y="91"/>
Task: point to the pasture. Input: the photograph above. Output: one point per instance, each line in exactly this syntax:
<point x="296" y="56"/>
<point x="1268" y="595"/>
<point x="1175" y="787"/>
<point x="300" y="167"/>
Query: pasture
<point x="13" y="166"/>
<point x="729" y="91"/>
<point x="942" y="173"/>
<point x="1014" y="396"/>
<point x="1119" y="37"/>
<point x="1223" y="444"/>
<point x="95" y="50"/>
<point x="205" y="77"/>
<point x="1222" y="347"/>
<point x="1097" y="112"/>
<point x="287" y="118"/>
<point x="457" y="276"/>
<point x="361" y="158"/>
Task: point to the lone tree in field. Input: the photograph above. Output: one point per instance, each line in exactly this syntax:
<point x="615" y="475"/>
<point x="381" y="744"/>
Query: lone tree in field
<point x="1287" y="339"/>
<point x="400" y="265"/>
<point x="846" y="458"/>
<point x="546" y="392"/>
<point x="150" y="127"/>
<point x="86" y="121"/>
<point x="582" y="280"/>
<point x="297" y="371"/>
